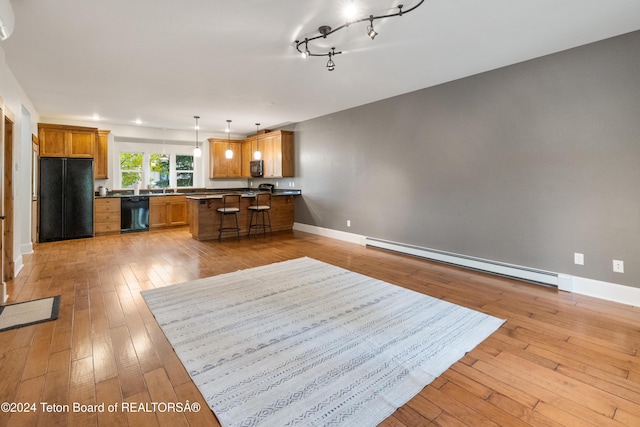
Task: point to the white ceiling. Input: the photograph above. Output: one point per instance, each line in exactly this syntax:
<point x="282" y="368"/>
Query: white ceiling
<point x="165" y="61"/>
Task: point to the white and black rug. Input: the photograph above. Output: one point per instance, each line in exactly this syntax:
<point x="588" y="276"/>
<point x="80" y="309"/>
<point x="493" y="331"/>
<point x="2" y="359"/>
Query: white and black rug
<point x="304" y="343"/>
<point x="28" y="313"/>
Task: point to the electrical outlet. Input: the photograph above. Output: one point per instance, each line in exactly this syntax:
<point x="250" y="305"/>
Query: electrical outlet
<point x="618" y="266"/>
<point x="348" y="223"/>
<point x="578" y="258"/>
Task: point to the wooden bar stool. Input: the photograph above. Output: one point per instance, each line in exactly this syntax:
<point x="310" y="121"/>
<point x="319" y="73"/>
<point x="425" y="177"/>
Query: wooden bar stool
<point x="260" y="206"/>
<point x="230" y="206"/>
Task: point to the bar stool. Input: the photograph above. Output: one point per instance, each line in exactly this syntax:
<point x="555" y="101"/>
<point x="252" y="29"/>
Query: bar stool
<point x="230" y="206"/>
<point x="261" y="206"/>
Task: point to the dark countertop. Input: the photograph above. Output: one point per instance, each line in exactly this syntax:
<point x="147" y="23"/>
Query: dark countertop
<point x="200" y="193"/>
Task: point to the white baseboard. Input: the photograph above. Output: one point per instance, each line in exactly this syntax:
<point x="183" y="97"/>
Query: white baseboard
<point x="17" y="266"/>
<point x="334" y="234"/>
<point x="26" y="248"/>
<point x="603" y="290"/>
<point x="564" y="282"/>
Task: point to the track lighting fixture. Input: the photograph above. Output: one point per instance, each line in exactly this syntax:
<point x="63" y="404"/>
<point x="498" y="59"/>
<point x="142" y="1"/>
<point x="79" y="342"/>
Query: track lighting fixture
<point x="197" y="152"/>
<point x="326" y="30"/>
<point x="229" y="153"/>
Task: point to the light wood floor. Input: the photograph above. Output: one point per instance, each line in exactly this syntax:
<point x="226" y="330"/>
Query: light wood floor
<point x="559" y="360"/>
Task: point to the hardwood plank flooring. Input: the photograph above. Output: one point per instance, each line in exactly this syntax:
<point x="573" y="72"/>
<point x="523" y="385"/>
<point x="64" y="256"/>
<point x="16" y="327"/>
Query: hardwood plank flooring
<point x="560" y="359"/>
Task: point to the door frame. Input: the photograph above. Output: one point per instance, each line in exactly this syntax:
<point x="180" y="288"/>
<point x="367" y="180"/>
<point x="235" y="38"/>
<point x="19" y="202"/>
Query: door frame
<point x="8" y="266"/>
<point x="4" y="112"/>
<point x="35" y="199"/>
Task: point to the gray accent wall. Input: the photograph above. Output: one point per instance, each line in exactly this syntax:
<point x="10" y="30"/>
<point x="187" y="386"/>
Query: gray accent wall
<point x="526" y="164"/>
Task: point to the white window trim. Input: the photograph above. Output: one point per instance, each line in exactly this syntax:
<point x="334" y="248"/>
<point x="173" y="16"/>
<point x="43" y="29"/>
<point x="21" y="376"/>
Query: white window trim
<point x="146" y="149"/>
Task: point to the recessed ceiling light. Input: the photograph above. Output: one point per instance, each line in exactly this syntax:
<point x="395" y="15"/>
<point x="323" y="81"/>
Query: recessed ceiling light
<point x="95" y="117"/>
<point x="137" y="121"/>
<point x="350" y="11"/>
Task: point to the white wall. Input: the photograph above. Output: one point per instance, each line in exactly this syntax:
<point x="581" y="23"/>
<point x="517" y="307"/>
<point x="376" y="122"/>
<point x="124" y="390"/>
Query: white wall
<point x="26" y="118"/>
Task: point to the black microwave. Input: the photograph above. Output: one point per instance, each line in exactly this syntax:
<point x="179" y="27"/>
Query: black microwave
<point x="256" y="167"/>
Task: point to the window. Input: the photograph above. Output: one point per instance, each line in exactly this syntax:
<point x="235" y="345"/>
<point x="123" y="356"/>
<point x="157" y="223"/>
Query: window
<point x="159" y="168"/>
<point x="152" y="168"/>
<point x="130" y="169"/>
<point x="184" y="170"/>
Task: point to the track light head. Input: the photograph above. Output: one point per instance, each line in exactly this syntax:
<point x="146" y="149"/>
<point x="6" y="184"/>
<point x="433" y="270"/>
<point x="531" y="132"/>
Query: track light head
<point x="330" y="64"/>
<point x="370" y="31"/>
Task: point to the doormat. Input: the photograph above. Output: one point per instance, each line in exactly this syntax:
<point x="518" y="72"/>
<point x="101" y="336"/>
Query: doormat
<point x="21" y="314"/>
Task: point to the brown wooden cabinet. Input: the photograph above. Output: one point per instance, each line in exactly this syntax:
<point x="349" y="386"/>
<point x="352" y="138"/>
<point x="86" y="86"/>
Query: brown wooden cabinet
<point x="66" y="141"/>
<point x="101" y="155"/>
<point x="219" y="165"/>
<point x="205" y="219"/>
<point x="248" y="148"/>
<point x="107" y="216"/>
<point x="168" y="211"/>
<point x="277" y="152"/>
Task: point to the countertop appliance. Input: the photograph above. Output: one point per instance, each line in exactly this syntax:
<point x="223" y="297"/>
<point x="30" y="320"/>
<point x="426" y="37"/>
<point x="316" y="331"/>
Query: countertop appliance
<point x="266" y="187"/>
<point x="134" y="214"/>
<point x="66" y="198"/>
<point x="256" y="168"/>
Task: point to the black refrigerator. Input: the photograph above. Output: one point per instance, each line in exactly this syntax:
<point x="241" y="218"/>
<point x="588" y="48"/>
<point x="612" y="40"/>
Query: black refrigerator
<point x="66" y="198"/>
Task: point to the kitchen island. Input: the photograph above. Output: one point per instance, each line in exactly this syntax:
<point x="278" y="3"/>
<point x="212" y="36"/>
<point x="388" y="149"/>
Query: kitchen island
<point x="204" y="219"/>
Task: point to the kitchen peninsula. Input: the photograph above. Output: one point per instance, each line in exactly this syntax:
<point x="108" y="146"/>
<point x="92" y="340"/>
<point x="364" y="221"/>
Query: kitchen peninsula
<point x="195" y="207"/>
<point x="205" y="219"/>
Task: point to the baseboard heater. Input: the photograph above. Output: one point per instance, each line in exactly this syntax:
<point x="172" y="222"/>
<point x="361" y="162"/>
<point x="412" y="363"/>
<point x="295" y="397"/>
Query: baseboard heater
<point x="495" y="267"/>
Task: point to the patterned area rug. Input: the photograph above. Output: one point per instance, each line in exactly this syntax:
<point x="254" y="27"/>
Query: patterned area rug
<point x="21" y="314"/>
<point x="304" y="343"/>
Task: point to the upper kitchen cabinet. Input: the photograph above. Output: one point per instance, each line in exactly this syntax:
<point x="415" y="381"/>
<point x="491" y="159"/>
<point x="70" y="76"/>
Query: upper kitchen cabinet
<point x="248" y="148"/>
<point x="66" y="141"/>
<point x="101" y="162"/>
<point x="277" y="152"/>
<point x="219" y="165"/>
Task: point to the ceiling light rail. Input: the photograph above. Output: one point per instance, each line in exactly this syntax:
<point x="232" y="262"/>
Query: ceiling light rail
<point x="302" y="46"/>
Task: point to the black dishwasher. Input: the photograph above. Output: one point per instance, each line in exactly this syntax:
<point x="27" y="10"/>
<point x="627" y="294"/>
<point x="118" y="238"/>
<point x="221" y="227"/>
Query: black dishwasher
<point x="134" y="213"/>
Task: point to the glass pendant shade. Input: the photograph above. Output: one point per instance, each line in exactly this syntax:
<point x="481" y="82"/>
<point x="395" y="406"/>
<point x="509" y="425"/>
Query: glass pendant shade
<point x="228" y="154"/>
<point x="197" y="152"/>
<point x="257" y="155"/>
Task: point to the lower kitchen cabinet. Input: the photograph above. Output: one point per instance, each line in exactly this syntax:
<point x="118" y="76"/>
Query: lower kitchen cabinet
<point x="107" y="216"/>
<point x="168" y="211"/>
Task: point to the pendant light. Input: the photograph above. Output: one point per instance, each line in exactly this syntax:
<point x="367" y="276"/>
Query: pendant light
<point x="229" y="153"/>
<point x="257" y="155"/>
<point x="164" y="158"/>
<point x="197" y="152"/>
